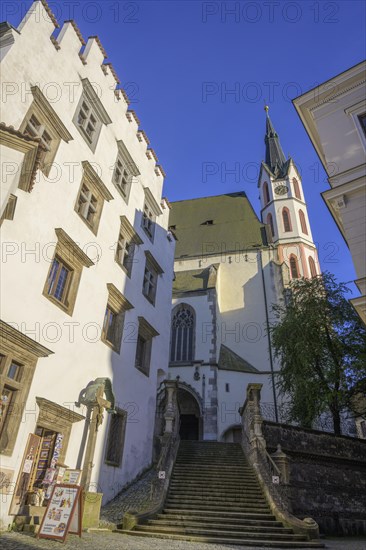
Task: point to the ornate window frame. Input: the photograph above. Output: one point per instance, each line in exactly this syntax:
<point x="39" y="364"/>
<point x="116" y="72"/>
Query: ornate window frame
<point x="16" y="346"/>
<point x="117" y="305"/>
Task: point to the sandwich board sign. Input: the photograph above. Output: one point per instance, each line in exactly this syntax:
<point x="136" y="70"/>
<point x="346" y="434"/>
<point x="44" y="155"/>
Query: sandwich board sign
<point x="63" y="514"/>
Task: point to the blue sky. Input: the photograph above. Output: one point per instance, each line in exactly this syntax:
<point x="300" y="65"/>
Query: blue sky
<point x="179" y="60"/>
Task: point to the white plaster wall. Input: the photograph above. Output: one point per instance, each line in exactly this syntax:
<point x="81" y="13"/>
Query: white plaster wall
<point x="28" y="246"/>
<point x="341" y="141"/>
<point x="11" y="161"/>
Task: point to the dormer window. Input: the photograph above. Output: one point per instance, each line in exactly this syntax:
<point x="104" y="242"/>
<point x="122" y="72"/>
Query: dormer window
<point x="207" y="222"/>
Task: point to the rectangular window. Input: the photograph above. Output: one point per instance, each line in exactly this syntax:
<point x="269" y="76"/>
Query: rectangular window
<point x="145" y="337"/>
<point x="109" y="332"/>
<point x="150" y="283"/>
<point x="227" y="387"/>
<point x="37" y="129"/>
<point x="148" y="221"/>
<point x="87" y="122"/>
<point x="124" y="253"/>
<point x="122" y="178"/>
<point x="64" y="274"/>
<point x="116" y="438"/>
<point x="59" y="280"/>
<point x="143" y="351"/>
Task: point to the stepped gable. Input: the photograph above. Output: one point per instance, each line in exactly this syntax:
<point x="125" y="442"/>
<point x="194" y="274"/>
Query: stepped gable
<point x="215" y="225"/>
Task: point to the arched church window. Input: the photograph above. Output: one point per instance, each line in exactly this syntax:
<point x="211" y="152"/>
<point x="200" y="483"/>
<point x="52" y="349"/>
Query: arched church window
<point x="265" y="193"/>
<point x="312" y="267"/>
<point x="286" y="220"/>
<point x="296" y="185"/>
<point x="304" y="227"/>
<point x="183" y="327"/>
<point x="270" y="223"/>
<point x="294" y="267"/>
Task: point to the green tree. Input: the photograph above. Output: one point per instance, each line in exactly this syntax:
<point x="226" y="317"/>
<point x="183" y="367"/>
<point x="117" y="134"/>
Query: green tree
<point x="321" y="344"/>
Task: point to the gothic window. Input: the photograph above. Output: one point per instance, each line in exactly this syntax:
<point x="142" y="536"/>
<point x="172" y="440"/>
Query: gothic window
<point x="270" y="223"/>
<point x="286" y="220"/>
<point x="304" y="228"/>
<point x="297" y="192"/>
<point x="294" y="268"/>
<point x="266" y="193"/>
<point x="183" y="327"/>
<point x="312" y="267"/>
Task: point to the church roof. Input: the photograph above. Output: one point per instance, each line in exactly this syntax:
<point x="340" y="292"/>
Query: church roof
<point x="195" y="279"/>
<point x="275" y="158"/>
<point x="215" y="225"/>
<point x="229" y="360"/>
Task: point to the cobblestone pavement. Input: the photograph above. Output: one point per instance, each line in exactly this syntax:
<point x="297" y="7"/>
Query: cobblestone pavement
<point x="140" y="496"/>
<point x="114" y="541"/>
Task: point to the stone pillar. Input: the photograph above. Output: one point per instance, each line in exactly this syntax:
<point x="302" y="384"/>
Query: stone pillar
<point x="282" y="462"/>
<point x="255" y="420"/>
<point x="171" y="405"/>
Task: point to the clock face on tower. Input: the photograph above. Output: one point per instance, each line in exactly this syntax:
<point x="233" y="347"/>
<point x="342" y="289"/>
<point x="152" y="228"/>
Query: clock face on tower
<point x="281" y="189"/>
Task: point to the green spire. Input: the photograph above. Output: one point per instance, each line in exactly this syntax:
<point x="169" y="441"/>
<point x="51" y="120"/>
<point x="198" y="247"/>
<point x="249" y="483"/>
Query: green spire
<point x="275" y="159"/>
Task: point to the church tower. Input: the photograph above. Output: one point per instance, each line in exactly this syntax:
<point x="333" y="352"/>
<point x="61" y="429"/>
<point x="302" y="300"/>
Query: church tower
<point x="284" y="210"/>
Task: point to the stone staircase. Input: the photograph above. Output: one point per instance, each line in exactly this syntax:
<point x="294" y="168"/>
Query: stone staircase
<point x="214" y="496"/>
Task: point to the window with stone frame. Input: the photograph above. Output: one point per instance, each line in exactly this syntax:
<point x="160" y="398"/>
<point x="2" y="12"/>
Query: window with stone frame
<point x="114" y="315"/>
<point x="125" y="249"/>
<point x="41" y="122"/>
<point x="64" y="274"/>
<point x="18" y="358"/>
<point x="183" y="333"/>
<point x="90" y="115"/>
<point x="122" y="178"/>
<point x="150" y="212"/>
<point x="116" y="438"/>
<point x="124" y="170"/>
<point x="148" y="221"/>
<point x="151" y="274"/>
<point x="91" y="197"/>
<point x="145" y="336"/>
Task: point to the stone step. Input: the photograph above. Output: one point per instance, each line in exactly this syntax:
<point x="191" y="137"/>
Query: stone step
<point x="222" y="525"/>
<point x="212" y="498"/>
<point x="217" y="483"/>
<point x="214" y="493"/>
<point x="216" y="514"/>
<point x="218" y="507"/>
<point x="214" y="531"/>
<point x="228" y="520"/>
<point x="224" y="540"/>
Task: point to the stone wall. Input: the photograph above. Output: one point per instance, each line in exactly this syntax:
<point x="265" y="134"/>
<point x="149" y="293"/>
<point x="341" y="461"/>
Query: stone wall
<point x="327" y="477"/>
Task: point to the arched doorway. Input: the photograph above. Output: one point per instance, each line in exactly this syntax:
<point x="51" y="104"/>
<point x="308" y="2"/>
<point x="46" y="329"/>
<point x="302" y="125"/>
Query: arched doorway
<point x="190" y="415"/>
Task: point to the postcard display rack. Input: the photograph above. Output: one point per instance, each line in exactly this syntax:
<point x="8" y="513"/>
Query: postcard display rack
<point x="63" y="514"/>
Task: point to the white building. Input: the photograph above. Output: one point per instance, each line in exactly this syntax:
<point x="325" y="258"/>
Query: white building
<point x="87" y="263"/>
<point x="229" y="269"/>
<point x="334" y="116"/>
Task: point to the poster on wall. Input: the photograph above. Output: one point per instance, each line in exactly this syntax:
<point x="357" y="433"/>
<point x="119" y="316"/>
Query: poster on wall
<point x="71" y="476"/>
<point x="64" y="503"/>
